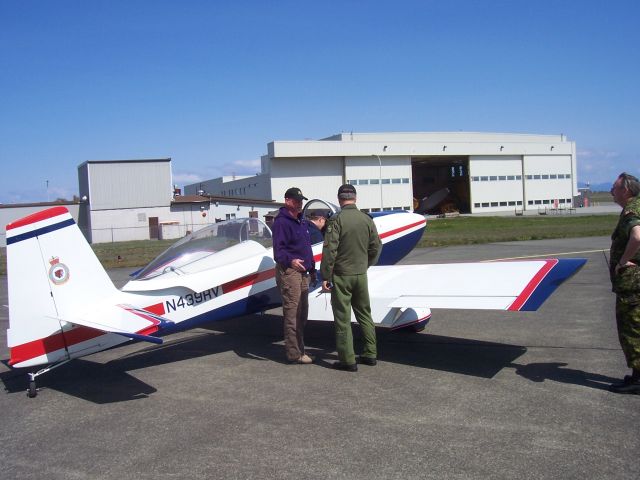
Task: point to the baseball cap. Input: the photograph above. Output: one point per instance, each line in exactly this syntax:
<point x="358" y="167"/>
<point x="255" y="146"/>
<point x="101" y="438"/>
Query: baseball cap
<point x="347" y="189"/>
<point x="294" y="193"/>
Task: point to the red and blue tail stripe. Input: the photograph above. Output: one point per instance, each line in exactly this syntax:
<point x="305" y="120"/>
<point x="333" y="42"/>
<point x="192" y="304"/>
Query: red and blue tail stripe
<point x="36" y="218"/>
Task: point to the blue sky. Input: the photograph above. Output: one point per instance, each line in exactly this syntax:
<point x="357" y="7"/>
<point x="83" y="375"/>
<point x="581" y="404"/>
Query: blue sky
<point x="210" y="83"/>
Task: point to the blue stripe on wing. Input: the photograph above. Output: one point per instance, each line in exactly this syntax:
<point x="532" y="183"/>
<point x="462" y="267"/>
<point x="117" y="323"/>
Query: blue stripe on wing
<point x="562" y="271"/>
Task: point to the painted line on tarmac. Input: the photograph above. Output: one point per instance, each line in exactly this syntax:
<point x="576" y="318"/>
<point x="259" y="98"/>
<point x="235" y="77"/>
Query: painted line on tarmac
<point x="544" y="255"/>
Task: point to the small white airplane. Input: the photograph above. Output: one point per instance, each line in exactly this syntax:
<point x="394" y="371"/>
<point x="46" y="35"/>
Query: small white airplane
<point x="63" y="305"/>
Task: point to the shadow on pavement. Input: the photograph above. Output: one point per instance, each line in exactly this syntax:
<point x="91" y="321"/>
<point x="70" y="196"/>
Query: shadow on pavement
<point x="539" y="372"/>
<point x="84" y="379"/>
<point x="259" y="337"/>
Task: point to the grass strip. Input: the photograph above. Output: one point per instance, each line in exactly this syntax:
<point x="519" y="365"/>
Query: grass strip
<point x="477" y="230"/>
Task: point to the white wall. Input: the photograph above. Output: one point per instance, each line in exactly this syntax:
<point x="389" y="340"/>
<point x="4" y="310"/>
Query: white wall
<point x="122" y="224"/>
<point x="317" y="178"/>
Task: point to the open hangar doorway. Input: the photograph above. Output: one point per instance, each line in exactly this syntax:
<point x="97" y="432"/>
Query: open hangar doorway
<point x="441" y="184"/>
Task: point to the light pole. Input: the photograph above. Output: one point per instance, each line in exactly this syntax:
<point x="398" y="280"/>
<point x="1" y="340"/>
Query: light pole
<point x="379" y="177"/>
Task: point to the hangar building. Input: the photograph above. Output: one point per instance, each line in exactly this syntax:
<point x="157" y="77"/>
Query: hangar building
<point x="469" y="172"/>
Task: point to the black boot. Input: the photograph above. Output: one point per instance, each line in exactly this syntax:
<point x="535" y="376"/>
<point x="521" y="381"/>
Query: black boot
<point x="630" y="384"/>
<point x="345" y="366"/>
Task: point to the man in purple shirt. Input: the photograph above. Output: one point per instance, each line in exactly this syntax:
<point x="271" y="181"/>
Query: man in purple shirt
<point x="294" y="267"/>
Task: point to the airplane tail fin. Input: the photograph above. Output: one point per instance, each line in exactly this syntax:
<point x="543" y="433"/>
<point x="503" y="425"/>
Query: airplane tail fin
<point x="51" y="269"/>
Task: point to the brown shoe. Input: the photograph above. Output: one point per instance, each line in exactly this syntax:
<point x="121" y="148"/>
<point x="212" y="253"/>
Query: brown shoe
<point x="303" y="360"/>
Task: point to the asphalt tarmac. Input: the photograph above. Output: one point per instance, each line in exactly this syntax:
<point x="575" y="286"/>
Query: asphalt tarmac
<point x="476" y="395"/>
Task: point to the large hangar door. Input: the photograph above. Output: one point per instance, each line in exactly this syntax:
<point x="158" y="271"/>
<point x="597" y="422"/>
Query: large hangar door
<point x="444" y="180"/>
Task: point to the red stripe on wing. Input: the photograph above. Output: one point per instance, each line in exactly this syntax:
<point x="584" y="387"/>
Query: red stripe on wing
<point x="532" y="285"/>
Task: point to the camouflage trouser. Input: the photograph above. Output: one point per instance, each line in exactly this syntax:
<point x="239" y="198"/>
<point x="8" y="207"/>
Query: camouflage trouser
<point x="628" y="321"/>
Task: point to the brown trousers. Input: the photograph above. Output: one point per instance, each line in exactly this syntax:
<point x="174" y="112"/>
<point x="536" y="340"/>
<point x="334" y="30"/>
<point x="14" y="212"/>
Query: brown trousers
<point x="294" y="289"/>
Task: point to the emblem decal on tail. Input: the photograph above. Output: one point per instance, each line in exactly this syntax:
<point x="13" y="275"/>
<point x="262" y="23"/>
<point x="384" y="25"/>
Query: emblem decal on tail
<point x="59" y="272"/>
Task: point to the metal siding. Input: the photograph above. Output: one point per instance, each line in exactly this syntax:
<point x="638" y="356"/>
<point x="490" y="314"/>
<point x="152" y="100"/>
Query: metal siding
<point x="129" y="185"/>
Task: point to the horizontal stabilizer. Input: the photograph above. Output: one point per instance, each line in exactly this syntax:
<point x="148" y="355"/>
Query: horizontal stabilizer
<point x="125" y="320"/>
<point x="144" y="338"/>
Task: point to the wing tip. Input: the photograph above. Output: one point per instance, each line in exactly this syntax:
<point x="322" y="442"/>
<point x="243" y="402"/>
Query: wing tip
<point x="547" y="280"/>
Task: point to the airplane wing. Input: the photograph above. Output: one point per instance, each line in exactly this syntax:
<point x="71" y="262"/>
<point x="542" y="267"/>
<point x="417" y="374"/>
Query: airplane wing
<point x="508" y="285"/>
<point x="122" y="319"/>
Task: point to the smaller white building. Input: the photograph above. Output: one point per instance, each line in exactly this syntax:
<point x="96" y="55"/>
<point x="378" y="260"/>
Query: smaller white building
<point x="124" y="200"/>
<point x="248" y="186"/>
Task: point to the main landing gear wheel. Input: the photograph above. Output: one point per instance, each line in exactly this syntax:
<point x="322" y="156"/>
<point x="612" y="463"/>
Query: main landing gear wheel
<point x="32" y="391"/>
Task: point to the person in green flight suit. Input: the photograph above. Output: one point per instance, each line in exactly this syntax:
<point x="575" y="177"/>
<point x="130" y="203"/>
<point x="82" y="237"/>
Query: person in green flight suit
<point x="624" y="269"/>
<point x="351" y="246"/>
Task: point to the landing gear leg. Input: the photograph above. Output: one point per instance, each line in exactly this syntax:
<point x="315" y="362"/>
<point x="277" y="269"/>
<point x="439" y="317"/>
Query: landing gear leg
<point x="32" y="391"/>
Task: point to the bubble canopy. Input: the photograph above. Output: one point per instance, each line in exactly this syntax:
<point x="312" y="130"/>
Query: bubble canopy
<point x="184" y="256"/>
<point x="317" y="207"/>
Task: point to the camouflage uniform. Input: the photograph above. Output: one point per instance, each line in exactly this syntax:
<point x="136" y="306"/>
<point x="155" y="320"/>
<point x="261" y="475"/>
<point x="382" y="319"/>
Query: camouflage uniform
<point x="626" y="285"/>
<point x="351" y="245"/>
